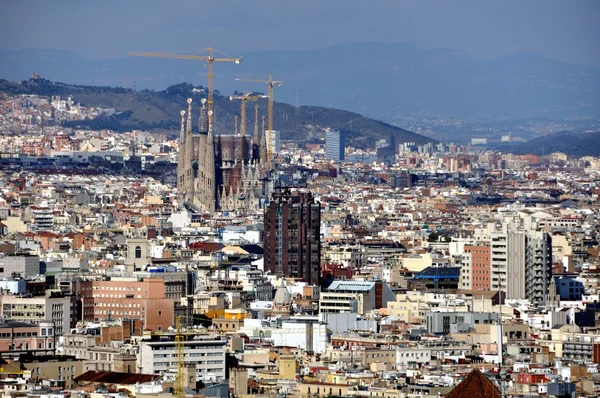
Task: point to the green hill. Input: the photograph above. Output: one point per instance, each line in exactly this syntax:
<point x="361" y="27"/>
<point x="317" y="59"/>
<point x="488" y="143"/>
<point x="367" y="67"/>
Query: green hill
<point x="573" y="144"/>
<point x="159" y="110"/>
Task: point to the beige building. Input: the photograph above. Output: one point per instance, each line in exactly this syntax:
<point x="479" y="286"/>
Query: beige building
<point x="53" y="307"/>
<point x="56" y="369"/>
<point x="409" y="308"/>
<point x="312" y="389"/>
<point x="417" y="262"/>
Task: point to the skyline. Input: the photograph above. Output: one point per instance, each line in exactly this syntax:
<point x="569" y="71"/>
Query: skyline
<point x="554" y="29"/>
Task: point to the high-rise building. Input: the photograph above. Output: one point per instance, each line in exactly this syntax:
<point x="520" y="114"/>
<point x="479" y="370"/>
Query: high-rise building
<point x="334" y="145"/>
<point x="292" y="244"/>
<point x="521" y="261"/>
<point x="273" y="141"/>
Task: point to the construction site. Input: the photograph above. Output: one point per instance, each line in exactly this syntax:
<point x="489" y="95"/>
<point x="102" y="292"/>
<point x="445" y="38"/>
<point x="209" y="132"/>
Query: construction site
<point x="225" y="171"/>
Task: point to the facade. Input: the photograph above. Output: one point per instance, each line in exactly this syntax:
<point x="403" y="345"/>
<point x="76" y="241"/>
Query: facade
<point x="55" y="368"/>
<point x="43" y="218"/>
<point x="292" y="244"/>
<point x="22" y="337"/>
<point x="205" y="352"/>
<point x="355" y="296"/>
<point x="273" y="141"/>
<point x="453" y="322"/>
<point x="538" y="266"/>
<point x="54" y="307"/>
<point x="128" y="299"/>
<point x="19" y="265"/>
<point x="521" y="261"/>
<point x="334" y="145"/>
<point x="476" y="269"/>
<point x="217" y="172"/>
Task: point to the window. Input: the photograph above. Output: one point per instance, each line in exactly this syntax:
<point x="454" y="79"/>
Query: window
<point x="138" y="252"/>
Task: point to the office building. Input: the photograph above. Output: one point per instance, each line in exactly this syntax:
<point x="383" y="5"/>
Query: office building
<point x="292" y="244"/>
<point x="334" y="145"/>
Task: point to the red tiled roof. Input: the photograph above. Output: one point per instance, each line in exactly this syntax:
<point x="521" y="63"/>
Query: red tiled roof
<point x="207" y="247"/>
<point x="475" y="385"/>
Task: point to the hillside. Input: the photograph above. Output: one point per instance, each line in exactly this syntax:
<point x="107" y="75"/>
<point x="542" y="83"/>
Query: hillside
<point x="574" y="144"/>
<point x="385" y="81"/>
<point x="146" y="109"/>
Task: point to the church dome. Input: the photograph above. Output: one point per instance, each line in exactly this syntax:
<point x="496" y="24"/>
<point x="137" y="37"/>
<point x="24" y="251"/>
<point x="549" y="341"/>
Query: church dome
<point x="282" y="296"/>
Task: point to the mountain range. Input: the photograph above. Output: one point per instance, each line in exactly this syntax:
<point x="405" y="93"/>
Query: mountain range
<point x="379" y="80"/>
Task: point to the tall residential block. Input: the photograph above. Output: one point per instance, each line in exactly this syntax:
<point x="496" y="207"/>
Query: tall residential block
<point x="334" y="145"/>
<point x="292" y="235"/>
<point x="521" y="261"/>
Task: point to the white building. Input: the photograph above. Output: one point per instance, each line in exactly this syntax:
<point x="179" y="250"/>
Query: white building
<point x="273" y="141"/>
<point x="305" y="332"/>
<point x="205" y="352"/>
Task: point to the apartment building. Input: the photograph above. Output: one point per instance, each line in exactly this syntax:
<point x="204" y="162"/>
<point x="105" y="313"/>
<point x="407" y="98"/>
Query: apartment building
<point x="54" y="307"/>
<point x="128" y="298"/>
<point x="476" y="268"/>
<point x="20" y="337"/>
<point x="205" y="352"/>
<point x="19" y="265"/>
<point x="355" y="296"/>
<point x="520" y="260"/>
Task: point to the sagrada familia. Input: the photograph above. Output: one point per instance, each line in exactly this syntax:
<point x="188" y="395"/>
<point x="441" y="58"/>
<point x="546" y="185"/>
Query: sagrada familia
<point x="223" y="172"/>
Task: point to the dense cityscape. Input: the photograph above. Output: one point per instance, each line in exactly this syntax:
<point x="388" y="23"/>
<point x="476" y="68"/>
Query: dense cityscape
<point x="136" y="264"/>
<point x="340" y="199"/>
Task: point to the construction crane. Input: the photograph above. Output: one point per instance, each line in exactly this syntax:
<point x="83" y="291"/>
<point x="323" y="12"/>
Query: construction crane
<point x="270" y="83"/>
<point x="207" y="58"/>
<point x="256" y="139"/>
<point x="244" y="98"/>
<point x="180" y="352"/>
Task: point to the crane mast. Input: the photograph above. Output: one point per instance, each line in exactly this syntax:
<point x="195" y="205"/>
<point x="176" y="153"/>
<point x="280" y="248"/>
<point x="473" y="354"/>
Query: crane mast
<point x="180" y="352"/>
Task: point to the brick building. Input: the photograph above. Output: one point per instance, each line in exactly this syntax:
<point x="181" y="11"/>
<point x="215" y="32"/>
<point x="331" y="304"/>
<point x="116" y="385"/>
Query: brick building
<point x="292" y="236"/>
<point x="128" y="299"/>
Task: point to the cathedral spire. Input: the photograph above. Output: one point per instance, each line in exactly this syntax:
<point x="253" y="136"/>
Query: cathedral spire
<point x="210" y="167"/>
<point x="263" y="143"/>
<point x="189" y="117"/>
<point x="182" y="132"/>
<point x="204" y="119"/>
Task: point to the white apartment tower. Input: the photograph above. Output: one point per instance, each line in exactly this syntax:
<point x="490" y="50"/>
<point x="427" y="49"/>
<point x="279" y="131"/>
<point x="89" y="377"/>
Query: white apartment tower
<point x="521" y="260"/>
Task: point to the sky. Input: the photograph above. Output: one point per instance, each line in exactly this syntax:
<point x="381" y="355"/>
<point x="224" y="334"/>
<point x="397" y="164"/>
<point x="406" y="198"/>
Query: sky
<point x="567" y="30"/>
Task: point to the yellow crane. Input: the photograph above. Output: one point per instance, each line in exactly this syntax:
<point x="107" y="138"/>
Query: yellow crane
<point x="180" y="352"/>
<point x="270" y="83"/>
<point x="207" y="58"/>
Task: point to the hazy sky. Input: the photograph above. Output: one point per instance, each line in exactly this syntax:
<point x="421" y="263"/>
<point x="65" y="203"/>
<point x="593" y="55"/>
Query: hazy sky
<point x="563" y="29"/>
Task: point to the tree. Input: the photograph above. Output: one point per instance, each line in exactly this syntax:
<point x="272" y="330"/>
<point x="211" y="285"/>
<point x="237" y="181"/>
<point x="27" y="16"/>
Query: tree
<point x="433" y="237"/>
